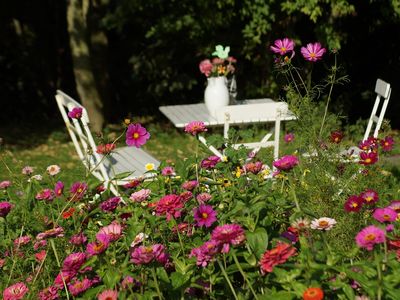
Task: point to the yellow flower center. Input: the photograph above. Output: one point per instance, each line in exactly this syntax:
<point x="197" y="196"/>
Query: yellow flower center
<point x="386" y="217"/>
<point x="204" y="215"/>
<point x="370" y="237"/>
<point x="368" y="160"/>
<point x="135" y="135"/>
<point x="354" y="204"/>
<point x="283" y="49"/>
<point x="368" y="198"/>
<point x="323" y="223"/>
<point x="312" y="54"/>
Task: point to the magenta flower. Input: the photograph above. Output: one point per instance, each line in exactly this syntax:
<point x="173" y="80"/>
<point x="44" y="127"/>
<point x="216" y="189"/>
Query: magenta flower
<point x="168" y="171"/>
<point x="387" y="144"/>
<point x="136" y="135"/>
<point x="289" y="137"/>
<point x="286" y="162"/>
<point x="5" y="208"/>
<point x="353" y="204"/>
<point x="49" y="293"/>
<point x="228" y="234"/>
<point x="75" y="113"/>
<point x="15" y="292"/>
<point x="369" y="236"/>
<point x="204" y="215"/>
<point x="110" y="204"/>
<point x="170" y="206"/>
<point x="78" y="190"/>
<point x="99" y="246"/>
<point x="190" y="185"/>
<point x="62" y="277"/>
<point x="206" y="252"/>
<point x="369" y="196"/>
<point x="203" y="197"/>
<point x="195" y="127"/>
<point x="78" y="239"/>
<point x="74" y="261"/>
<point x="368" y="158"/>
<point x="210" y="162"/>
<point x="108" y="295"/>
<point x="205" y="67"/>
<point x="77" y="287"/>
<point x="59" y="189"/>
<point x="313" y="52"/>
<point x="21" y="241"/>
<point x="385" y="215"/>
<point x="54" y="232"/>
<point x="282" y="46"/>
<point x="142" y="255"/>
<point x="39" y="244"/>
<point x="45" y="194"/>
<point x="395" y="205"/>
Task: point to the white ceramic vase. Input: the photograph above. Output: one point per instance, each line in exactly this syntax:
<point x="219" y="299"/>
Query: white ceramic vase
<point x="216" y="94"/>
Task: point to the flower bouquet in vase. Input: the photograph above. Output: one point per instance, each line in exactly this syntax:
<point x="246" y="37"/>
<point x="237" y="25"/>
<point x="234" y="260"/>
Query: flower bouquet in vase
<point x="216" y="94"/>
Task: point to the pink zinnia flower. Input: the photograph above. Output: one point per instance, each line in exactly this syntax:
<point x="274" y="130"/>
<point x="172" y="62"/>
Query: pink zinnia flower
<point x="387" y="143"/>
<point x="369" y="196"/>
<point x="112" y="231"/>
<point x="210" y="162"/>
<point x="369" y="236"/>
<point x="276" y="256"/>
<point x="205" y="67"/>
<point x="75" y="113"/>
<point x="385" y="215"/>
<point x="286" y="162"/>
<point x="353" y="203"/>
<point x="203" y="197"/>
<point x="204" y="215"/>
<point x="141" y="195"/>
<point x="99" y="246"/>
<point x="15" y="292"/>
<point x="190" y="185"/>
<point x="282" y="46"/>
<point x="186" y="196"/>
<point x="206" y="252"/>
<point x="21" y="241"/>
<point x="136" y="135"/>
<point x="45" y="194"/>
<point x="142" y="255"/>
<point x="168" y="171"/>
<point x="323" y="223"/>
<point x="133" y="183"/>
<point x="54" y="232"/>
<point x="27" y="170"/>
<point x="59" y="189"/>
<point x="50" y="293"/>
<point x="159" y="254"/>
<point x="39" y="244"/>
<point x="368" y="158"/>
<point x="78" y="239"/>
<point x="5" y="184"/>
<point x="289" y="137"/>
<point x="228" y="234"/>
<point x="169" y="205"/>
<point x="110" y="204"/>
<point x="313" y="52"/>
<point x="5" y="208"/>
<point x="253" y="167"/>
<point x="74" y="261"/>
<point x="53" y="170"/>
<point x="77" y="287"/>
<point x="78" y="190"/>
<point x="63" y="276"/>
<point x="195" y="127"/>
<point x="129" y="281"/>
<point x="108" y="295"/>
<point x="395" y="205"/>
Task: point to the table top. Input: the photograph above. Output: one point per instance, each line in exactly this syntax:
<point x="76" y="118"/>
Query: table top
<point x="251" y="111"/>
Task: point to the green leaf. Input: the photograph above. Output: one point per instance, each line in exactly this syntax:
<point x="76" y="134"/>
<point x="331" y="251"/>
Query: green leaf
<point x="179" y="279"/>
<point x="111" y="278"/>
<point x="258" y="241"/>
<point x="123" y="175"/>
<point x="281" y="295"/>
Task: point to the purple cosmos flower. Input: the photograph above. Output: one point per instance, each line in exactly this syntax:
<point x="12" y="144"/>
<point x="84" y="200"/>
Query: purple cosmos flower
<point x="59" y="188"/>
<point x="313" y="52"/>
<point x="369" y="236"/>
<point x="195" y="127"/>
<point x="282" y="46"/>
<point x="78" y="189"/>
<point x="136" y="135"/>
<point x="369" y="196"/>
<point x="75" y="113"/>
<point x="204" y="215"/>
<point x="5" y="208"/>
<point x="387" y="144"/>
<point x="286" y="162"/>
<point x="289" y="137"/>
<point x="353" y="203"/>
<point x="384" y="215"/>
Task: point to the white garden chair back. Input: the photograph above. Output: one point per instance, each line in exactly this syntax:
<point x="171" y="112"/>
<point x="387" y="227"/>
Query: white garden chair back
<point x="105" y="168"/>
<point x="383" y="90"/>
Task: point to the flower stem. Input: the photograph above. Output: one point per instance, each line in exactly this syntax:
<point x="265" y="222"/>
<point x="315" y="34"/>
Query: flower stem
<point x="244" y="274"/>
<point x="378" y="268"/>
<point x="59" y="265"/>
<point x="153" y="273"/>
<point x="227" y="279"/>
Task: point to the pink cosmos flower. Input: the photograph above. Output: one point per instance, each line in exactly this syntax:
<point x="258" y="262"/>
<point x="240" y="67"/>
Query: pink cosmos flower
<point x="99" y="246"/>
<point x="49" y="293"/>
<point x="313" y="52"/>
<point x="110" y="204"/>
<point x="203" y="197"/>
<point x="5" y="208"/>
<point x="368" y="158"/>
<point x="77" y="287"/>
<point x="15" y="292"/>
<point x="387" y="143"/>
<point x="54" y="232"/>
<point x="141" y="195"/>
<point x="369" y="236"/>
<point x="195" y="127"/>
<point x="136" y="135"/>
<point x="384" y="215"/>
<point x="112" y="231"/>
<point x="27" y="170"/>
<point x="45" y="194"/>
<point x="74" y="261"/>
<point x="282" y="46"/>
<point x="204" y="215"/>
<point x="286" y="162"/>
<point x="59" y="188"/>
<point x="168" y="171"/>
<point x="170" y="206"/>
<point x="75" y="113"/>
<point x="205" y="67"/>
<point x="353" y="204"/>
<point x="108" y="295"/>
<point x="53" y="170"/>
<point x="289" y="137"/>
<point x="78" y="239"/>
<point x="228" y="234"/>
<point x="369" y="196"/>
<point x="210" y="162"/>
<point x="5" y="184"/>
<point x="78" y="190"/>
<point x="206" y="252"/>
<point x="190" y="185"/>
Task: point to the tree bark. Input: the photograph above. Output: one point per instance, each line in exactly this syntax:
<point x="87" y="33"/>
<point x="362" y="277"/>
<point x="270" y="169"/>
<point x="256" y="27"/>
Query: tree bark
<point x="84" y="78"/>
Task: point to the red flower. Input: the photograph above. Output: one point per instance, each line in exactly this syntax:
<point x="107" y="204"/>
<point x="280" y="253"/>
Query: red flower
<point x="336" y="136"/>
<point x="68" y="213"/>
<point x="105" y="149"/>
<point x="353" y="204"/>
<point x="369" y="196"/>
<point x="313" y="293"/>
<point x="278" y="255"/>
<point x="368" y="158"/>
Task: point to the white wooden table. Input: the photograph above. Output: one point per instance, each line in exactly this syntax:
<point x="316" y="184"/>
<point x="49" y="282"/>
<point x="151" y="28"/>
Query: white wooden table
<point x="251" y="111"/>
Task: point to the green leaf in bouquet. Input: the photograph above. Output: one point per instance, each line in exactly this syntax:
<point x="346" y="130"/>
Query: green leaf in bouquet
<point x="178" y="279"/>
<point x="257" y="240"/>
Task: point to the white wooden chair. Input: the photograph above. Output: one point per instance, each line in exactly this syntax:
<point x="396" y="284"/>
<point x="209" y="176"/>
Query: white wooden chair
<point x="105" y="168"/>
<point x="383" y="91"/>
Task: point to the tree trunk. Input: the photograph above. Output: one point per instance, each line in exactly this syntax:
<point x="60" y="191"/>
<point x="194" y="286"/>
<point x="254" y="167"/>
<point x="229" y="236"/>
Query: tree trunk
<point x="84" y="78"/>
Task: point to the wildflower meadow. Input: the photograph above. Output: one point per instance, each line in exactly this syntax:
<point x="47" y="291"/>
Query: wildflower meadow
<point x="317" y="223"/>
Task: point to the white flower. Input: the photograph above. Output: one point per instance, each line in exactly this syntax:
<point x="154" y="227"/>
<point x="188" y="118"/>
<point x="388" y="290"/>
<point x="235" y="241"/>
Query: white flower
<point x="323" y="223"/>
<point x="53" y="170"/>
<point x="138" y="239"/>
<point x="301" y="224"/>
<point x="36" y="177"/>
